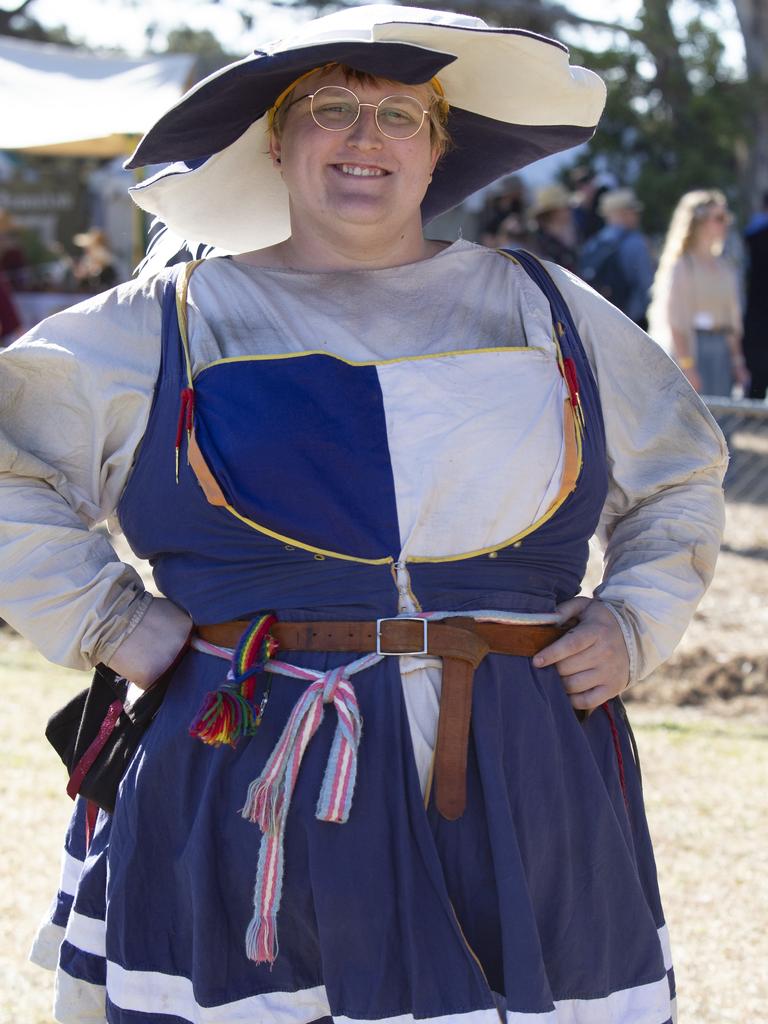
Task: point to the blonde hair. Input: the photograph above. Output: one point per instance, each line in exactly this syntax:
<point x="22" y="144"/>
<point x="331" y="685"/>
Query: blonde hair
<point x="439" y="107"/>
<point x="690" y="213"/>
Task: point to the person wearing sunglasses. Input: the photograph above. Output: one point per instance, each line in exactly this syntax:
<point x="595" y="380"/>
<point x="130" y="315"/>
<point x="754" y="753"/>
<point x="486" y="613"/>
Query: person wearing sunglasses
<point x="391" y="778"/>
<point x="696" y="306"/>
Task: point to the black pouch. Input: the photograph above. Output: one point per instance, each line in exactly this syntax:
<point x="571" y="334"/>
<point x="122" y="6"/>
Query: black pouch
<point x="96" y="734"/>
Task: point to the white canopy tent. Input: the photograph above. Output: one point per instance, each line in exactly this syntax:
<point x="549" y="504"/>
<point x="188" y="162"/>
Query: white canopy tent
<point x="59" y="101"/>
<point x="65" y="102"/>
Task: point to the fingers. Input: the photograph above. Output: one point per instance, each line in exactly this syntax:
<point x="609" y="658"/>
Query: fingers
<point x="591" y="658"/>
<point x="596" y="666"/>
<point x="592" y="698"/>
<point x="573" y="608"/>
<point x="576" y="639"/>
<point x="567" y="646"/>
<point x="578" y="664"/>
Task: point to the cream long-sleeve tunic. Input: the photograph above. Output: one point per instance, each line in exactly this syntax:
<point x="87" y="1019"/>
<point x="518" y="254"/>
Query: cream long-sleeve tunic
<point x="698" y="294"/>
<point x="75" y="397"/>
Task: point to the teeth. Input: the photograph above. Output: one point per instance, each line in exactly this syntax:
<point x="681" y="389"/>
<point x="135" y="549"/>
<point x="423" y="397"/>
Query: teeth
<point x="362" y="172"/>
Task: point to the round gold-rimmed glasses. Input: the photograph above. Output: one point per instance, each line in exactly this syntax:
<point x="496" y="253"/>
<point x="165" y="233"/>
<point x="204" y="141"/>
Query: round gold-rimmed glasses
<point x="335" y="108"/>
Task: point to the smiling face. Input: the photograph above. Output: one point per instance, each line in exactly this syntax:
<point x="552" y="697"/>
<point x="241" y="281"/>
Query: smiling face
<point x="356" y="178"/>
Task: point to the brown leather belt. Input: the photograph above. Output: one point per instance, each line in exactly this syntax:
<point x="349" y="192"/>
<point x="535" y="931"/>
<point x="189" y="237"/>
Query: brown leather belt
<point x="462" y="643"/>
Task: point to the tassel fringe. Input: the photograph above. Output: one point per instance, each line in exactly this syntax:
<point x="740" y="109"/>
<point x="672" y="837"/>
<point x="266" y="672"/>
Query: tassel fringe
<point x="225" y="717"/>
<point x="228" y="714"/>
<point x="261" y="944"/>
<point x="269" y="796"/>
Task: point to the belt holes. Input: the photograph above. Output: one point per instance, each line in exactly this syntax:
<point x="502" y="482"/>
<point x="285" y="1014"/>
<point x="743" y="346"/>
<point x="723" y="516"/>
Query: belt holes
<point x="493" y="554"/>
<point x="517" y="544"/>
<point x="319" y="558"/>
<point x="289" y="547"/>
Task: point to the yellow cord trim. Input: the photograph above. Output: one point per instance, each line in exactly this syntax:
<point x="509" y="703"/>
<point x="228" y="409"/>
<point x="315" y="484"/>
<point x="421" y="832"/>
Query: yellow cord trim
<point x="573" y="420"/>
<point x="576" y="418"/>
<point x="567" y="488"/>
<point x="371" y="362"/>
<point x="182" y="290"/>
<point x="215" y="496"/>
<point x="306" y="547"/>
<point x="558" y="330"/>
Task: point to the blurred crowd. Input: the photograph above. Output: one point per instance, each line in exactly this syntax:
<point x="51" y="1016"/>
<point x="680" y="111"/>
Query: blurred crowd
<point x="91" y="270"/>
<point x="707" y="309"/>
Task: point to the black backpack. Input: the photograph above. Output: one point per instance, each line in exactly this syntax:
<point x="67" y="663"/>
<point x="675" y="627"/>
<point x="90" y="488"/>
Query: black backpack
<point x="601" y="268"/>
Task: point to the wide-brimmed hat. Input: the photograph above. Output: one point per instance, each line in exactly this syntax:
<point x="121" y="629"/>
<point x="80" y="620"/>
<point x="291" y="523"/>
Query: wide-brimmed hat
<point x="618" y="199"/>
<point x="513" y="99"/>
<point x="550" y="198"/>
<point x="93" y="236"/>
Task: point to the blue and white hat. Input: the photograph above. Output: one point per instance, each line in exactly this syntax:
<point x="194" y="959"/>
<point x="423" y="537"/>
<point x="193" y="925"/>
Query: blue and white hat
<point x="513" y="96"/>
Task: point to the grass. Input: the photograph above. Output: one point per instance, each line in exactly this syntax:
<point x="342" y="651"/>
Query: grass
<point x="34" y="811"/>
<point x="705" y="781"/>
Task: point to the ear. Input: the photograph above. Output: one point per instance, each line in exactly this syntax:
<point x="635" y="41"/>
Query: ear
<point x="275" y="149"/>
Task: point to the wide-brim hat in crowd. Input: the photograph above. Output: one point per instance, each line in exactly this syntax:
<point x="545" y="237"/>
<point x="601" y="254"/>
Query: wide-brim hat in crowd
<point x="513" y="99"/>
<point x="550" y="198"/>
<point x="91" y="237"/>
<point x="618" y="199"/>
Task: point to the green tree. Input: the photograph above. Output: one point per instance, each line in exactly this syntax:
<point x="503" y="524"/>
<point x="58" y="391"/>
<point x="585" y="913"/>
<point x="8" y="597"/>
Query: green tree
<point x="19" y="23"/>
<point x="753" y="21"/>
<point x="210" y="54"/>
<point x="676" y="117"/>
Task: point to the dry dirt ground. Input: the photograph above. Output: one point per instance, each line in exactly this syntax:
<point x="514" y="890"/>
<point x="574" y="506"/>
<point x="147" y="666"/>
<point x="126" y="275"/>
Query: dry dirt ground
<point x="702" y="728"/>
<point x="722" y="661"/>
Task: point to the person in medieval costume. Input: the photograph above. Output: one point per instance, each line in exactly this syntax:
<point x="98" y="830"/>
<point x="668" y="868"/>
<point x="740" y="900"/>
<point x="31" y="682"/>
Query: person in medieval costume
<point x="365" y="467"/>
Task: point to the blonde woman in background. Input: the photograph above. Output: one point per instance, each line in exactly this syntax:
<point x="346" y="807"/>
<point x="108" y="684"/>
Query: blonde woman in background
<point x="695" y="311"/>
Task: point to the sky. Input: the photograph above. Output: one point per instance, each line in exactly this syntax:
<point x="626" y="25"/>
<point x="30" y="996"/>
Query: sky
<point x="110" y="24"/>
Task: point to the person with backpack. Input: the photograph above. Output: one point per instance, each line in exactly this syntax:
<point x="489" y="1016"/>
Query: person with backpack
<point x="617" y="260"/>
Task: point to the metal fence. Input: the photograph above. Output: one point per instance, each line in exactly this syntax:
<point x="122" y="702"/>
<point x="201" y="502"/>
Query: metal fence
<point x="745" y="425"/>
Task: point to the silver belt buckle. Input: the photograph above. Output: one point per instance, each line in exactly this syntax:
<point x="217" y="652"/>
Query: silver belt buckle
<point x="402" y="618"/>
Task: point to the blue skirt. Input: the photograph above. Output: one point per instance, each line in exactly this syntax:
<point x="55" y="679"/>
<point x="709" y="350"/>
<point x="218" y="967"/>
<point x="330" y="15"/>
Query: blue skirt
<point x="540" y="903"/>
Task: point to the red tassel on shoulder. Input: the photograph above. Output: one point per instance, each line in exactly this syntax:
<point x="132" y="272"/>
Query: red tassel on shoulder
<point x="572" y="380"/>
<point x="186" y="420"/>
